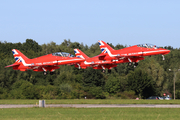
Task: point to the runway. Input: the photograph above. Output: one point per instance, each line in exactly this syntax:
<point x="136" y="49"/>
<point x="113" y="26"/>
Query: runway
<point x="96" y="106"/>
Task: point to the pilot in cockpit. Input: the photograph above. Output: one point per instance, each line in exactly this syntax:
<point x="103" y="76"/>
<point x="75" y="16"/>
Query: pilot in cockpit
<point x="63" y="54"/>
<point x="155" y="47"/>
<point x="146" y="45"/>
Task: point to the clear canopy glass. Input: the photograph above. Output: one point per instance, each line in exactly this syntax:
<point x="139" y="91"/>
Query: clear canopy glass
<point x="148" y="46"/>
<point x="63" y="54"/>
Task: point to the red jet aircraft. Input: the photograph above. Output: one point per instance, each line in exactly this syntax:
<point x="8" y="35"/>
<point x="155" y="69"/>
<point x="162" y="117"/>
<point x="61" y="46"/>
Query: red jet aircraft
<point x="131" y="54"/>
<point x="44" y="63"/>
<point x="97" y="62"/>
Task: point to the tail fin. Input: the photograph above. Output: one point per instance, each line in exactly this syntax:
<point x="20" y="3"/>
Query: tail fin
<point x="18" y="56"/>
<point x="104" y="47"/>
<point x="80" y="54"/>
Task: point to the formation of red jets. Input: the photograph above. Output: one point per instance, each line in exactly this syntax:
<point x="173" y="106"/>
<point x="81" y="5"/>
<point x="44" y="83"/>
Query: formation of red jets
<point x="109" y="58"/>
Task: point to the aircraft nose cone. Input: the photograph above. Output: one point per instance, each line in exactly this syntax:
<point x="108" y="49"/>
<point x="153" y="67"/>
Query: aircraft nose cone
<point x="166" y="51"/>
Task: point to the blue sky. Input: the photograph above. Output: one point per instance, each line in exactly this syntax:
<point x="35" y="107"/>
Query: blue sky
<point x="127" y="22"/>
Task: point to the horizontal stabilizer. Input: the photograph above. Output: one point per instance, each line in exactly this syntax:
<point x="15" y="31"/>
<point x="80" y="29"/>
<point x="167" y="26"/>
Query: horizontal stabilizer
<point x="101" y="57"/>
<point x="15" y="64"/>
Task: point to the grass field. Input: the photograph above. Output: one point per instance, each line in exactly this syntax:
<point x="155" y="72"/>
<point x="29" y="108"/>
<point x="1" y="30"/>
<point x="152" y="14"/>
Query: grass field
<point x="90" y="113"/>
<point x="91" y="101"/>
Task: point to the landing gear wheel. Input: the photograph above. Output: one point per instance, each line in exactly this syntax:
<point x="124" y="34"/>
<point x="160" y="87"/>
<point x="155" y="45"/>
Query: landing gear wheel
<point x="109" y="71"/>
<point x="135" y="64"/>
<point x="44" y="73"/>
<point x="129" y="63"/>
<point x="51" y="73"/>
<point x="103" y="71"/>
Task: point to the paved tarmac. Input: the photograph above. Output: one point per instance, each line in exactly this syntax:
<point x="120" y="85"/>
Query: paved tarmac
<point x="96" y="106"/>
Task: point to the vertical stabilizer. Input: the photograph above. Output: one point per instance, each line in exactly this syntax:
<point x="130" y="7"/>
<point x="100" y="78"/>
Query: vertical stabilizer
<point x="80" y="54"/>
<point x="105" y="48"/>
<point x="20" y="59"/>
<point x="18" y="56"/>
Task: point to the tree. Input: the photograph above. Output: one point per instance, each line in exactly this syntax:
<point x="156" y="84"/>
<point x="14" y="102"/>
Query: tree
<point x="112" y="85"/>
<point x="150" y="77"/>
<point x="31" y="44"/>
<point x="138" y="81"/>
<point x="92" y="78"/>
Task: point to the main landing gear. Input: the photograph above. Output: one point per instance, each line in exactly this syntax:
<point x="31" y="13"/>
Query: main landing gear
<point x="130" y="63"/>
<point x="135" y="64"/>
<point x="109" y="70"/>
<point x="45" y="70"/>
<point x="51" y="73"/>
<point x="45" y="73"/>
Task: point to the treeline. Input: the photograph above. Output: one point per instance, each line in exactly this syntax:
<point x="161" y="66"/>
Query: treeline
<point x="151" y="77"/>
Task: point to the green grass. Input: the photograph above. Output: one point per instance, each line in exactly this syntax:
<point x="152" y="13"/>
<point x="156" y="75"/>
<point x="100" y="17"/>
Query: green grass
<point x="90" y="101"/>
<point x="90" y="113"/>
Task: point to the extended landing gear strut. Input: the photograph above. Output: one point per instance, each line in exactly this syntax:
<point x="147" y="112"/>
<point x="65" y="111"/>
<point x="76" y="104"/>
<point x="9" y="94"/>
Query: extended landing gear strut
<point x="163" y="57"/>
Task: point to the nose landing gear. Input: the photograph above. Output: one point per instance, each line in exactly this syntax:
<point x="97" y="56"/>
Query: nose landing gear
<point x="163" y="57"/>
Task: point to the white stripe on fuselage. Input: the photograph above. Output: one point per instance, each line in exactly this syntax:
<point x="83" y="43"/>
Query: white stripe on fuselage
<point x="87" y="63"/>
<point x="44" y="63"/>
<point x="67" y="60"/>
<point x="80" y="56"/>
<point x="154" y="51"/>
<point x="139" y="53"/>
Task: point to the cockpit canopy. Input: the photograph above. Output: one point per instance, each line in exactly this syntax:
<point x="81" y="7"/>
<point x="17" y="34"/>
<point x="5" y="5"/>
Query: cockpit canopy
<point x="63" y="54"/>
<point x="148" y="46"/>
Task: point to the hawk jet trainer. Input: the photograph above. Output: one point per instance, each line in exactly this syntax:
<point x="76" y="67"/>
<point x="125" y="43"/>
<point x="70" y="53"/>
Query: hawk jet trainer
<point x="96" y="62"/>
<point x="131" y="54"/>
<point x="44" y="63"/>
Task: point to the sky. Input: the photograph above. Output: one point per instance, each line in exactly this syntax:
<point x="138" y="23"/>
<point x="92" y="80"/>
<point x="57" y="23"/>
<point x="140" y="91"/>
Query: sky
<point x="125" y="22"/>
